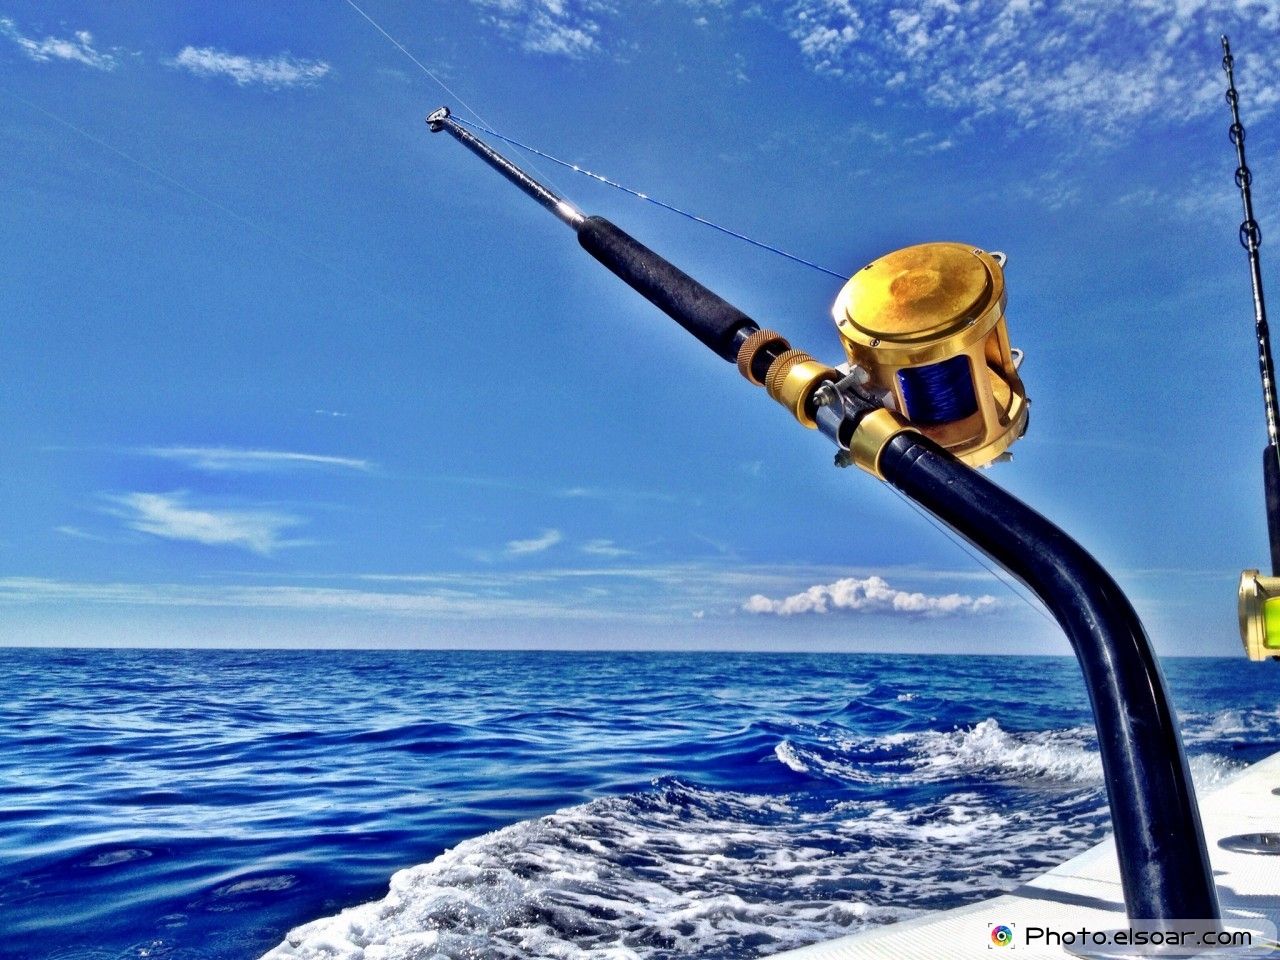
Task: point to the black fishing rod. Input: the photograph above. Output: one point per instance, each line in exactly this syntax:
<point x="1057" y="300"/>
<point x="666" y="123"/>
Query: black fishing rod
<point x="930" y="390"/>
<point x="1256" y="590"/>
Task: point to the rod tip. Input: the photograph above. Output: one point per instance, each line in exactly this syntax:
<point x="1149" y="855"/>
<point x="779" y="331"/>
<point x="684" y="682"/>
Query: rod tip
<point x="436" y="119"/>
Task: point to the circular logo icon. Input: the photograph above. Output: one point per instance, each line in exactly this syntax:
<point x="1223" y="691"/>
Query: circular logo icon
<point x="1001" y="935"/>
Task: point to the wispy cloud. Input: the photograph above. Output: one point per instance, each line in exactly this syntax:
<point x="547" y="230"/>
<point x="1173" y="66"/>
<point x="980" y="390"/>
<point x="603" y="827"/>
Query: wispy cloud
<point x="604" y="548"/>
<point x="567" y="28"/>
<point x="77" y="533"/>
<point x="616" y="495"/>
<point x="77" y="48"/>
<point x="172" y="517"/>
<point x="520" y="548"/>
<point x="442" y="604"/>
<point x="231" y="459"/>
<point x="870" y="595"/>
<point x="1093" y="66"/>
<point x="282" y="70"/>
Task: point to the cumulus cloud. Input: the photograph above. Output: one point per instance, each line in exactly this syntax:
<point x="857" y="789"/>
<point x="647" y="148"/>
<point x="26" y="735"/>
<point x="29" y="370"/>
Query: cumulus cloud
<point x="557" y="27"/>
<point x="78" y="47"/>
<point x="870" y="595"/>
<point x="1095" y="64"/>
<point x="519" y="548"/>
<point x="172" y="517"/>
<point x="231" y="459"/>
<point x="282" y="70"/>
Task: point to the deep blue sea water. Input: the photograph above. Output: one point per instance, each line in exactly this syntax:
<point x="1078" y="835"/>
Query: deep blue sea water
<point x="203" y="804"/>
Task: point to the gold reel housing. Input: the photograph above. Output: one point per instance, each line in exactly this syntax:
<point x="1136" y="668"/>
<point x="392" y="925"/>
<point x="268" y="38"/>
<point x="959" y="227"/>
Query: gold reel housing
<point x="907" y="319"/>
<point x="1260" y="615"/>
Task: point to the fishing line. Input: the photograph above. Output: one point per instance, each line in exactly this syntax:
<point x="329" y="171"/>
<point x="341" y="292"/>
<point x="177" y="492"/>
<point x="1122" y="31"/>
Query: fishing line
<point x="484" y="126"/>
<point x="209" y="201"/>
<point x="654" y="200"/>
<point x="423" y="67"/>
<point x="959" y="542"/>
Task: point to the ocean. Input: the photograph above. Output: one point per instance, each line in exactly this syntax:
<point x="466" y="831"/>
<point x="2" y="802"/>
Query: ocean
<point x="233" y="804"/>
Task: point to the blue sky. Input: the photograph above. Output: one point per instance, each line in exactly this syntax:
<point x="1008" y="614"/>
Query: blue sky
<point x="280" y="367"/>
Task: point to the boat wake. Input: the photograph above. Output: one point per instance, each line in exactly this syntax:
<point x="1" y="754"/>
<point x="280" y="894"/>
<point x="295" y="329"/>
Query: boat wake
<point x="680" y="870"/>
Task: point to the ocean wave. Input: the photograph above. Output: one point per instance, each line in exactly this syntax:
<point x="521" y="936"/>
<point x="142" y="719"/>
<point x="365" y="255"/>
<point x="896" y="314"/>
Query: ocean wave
<point x="1235" y="724"/>
<point x="985" y="751"/>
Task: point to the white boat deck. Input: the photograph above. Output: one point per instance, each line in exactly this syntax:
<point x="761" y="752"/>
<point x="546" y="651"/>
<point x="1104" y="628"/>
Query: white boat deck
<point x="1085" y="892"/>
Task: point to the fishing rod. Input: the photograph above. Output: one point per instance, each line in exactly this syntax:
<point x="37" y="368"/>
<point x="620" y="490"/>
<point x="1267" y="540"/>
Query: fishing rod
<point x="929" y="390"/>
<point x="1259" y="597"/>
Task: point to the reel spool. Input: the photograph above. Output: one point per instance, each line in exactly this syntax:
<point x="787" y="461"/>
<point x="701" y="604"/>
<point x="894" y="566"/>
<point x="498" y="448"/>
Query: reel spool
<point x="926" y="324"/>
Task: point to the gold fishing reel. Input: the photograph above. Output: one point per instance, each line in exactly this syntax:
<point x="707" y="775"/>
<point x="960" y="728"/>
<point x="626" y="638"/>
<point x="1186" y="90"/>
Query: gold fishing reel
<point x="927" y="325"/>
<point x="1260" y="615"/>
<point x="924" y="332"/>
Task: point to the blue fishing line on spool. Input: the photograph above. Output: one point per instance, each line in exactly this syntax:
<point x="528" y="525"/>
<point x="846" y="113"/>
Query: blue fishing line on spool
<point x="938" y="393"/>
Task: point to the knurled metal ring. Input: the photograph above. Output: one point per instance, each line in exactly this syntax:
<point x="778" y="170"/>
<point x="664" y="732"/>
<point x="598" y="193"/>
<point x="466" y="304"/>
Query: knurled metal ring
<point x="752" y="346"/>
<point x="779" y="368"/>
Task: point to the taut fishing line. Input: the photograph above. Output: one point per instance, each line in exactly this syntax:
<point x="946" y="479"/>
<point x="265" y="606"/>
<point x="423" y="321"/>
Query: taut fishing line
<point x="482" y="125"/>
<point x="648" y="199"/>
<point x="976" y="557"/>
<point x="222" y="208"/>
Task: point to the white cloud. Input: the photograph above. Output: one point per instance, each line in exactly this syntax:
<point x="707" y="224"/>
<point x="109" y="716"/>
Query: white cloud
<point x="870" y="595"/>
<point x="1092" y="66"/>
<point x="77" y="48"/>
<point x="168" y="515"/>
<point x="282" y="70"/>
<point x="230" y="459"/>
<point x="604" y="548"/>
<point x="557" y="27"/>
<point x="519" y="548"/>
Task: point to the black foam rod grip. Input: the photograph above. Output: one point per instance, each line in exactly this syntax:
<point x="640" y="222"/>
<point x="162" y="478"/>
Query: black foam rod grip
<point x="709" y="317"/>
<point x="1271" y="477"/>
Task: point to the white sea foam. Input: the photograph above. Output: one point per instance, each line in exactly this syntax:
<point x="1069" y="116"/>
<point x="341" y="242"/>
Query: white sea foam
<point x="680" y="871"/>
<point x="987" y="747"/>
<point x="985" y="751"/>
<point x="672" y="873"/>
<point x="1234" y="724"/>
